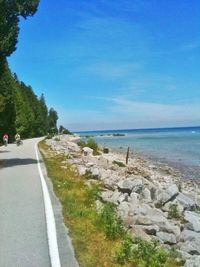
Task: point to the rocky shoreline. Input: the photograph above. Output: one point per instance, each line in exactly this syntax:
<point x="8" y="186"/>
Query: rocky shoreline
<point x="152" y="200"/>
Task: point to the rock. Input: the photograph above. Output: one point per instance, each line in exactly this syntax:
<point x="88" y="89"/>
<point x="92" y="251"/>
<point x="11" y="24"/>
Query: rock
<point x="193" y="262"/>
<point x="95" y="173"/>
<point x="126" y="186"/>
<point x="193" y="219"/>
<point x="133" y="199"/>
<point x="167" y="195"/>
<point x="142" y="220"/>
<point x="166" y="238"/>
<point x="137" y="231"/>
<point x="137" y="185"/>
<point x="106" y="195"/>
<point x="116" y="196"/>
<point x="109" y="183"/>
<point x="122" y="197"/>
<point x="87" y="151"/>
<point x="189" y="235"/>
<point x="191" y="247"/>
<point x="130" y="184"/>
<point x="150" y="229"/>
<point x="186" y="201"/>
<point x="81" y="169"/>
<point x="179" y="208"/>
<point x="106" y="150"/>
<point x="165" y="225"/>
<point x="146" y="195"/>
<point x="123" y="210"/>
<point x="184" y="255"/>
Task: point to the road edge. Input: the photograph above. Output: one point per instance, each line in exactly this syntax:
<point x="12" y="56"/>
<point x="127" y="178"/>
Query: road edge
<point x="65" y="247"/>
<point x="50" y="220"/>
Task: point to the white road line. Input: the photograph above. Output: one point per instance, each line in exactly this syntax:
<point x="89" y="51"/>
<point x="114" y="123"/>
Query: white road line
<point x="50" y="220"/>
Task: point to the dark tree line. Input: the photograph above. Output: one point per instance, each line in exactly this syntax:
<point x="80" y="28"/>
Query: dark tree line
<point x="20" y="109"/>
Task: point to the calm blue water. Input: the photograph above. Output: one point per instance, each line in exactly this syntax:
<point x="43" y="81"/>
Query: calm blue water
<point x="178" y="146"/>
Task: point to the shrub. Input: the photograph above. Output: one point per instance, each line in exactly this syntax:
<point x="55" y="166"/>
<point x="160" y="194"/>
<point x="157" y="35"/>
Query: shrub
<point x="112" y="225"/>
<point x="142" y="253"/>
<point x="91" y="143"/>
<point x="173" y="211"/>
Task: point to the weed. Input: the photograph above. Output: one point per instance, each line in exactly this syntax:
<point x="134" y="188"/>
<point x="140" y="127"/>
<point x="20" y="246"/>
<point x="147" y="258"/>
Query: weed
<point x="173" y="211"/>
<point x="111" y="224"/>
<point x="141" y="253"/>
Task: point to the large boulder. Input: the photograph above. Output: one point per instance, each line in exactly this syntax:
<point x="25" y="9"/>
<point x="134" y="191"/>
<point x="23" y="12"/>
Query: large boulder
<point x="193" y="262"/>
<point x="187" y="202"/>
<point x="188" y="235"/>
<point x="191" y="247"/>
<point x="193" y="220"/>
<point x="166" y="238"/>
<point x="167" y="195"/>
<point x="130" y="184"/>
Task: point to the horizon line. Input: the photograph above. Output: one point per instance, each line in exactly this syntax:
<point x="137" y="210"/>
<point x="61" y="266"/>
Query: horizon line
<point x="129" y="129"/>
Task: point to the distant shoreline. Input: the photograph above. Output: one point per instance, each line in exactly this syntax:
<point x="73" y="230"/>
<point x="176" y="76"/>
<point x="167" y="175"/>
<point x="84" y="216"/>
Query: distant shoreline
<point x="138" y="129"/>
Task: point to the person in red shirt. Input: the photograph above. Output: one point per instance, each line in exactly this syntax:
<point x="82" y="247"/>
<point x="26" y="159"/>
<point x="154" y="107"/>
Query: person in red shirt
<point x="5" y="139"/>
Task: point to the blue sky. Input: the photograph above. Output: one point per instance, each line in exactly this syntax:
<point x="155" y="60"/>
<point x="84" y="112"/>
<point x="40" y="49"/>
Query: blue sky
<point x="112" y="64"/>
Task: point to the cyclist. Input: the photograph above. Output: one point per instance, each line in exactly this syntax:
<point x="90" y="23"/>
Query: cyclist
<point x="5" y="139"/>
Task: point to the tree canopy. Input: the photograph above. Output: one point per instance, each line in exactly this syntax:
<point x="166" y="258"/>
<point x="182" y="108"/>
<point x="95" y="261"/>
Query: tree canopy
<point x="20" y="109"/>
<point x="10" y="11"/>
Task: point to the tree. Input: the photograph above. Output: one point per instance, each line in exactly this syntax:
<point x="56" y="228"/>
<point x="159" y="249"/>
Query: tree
<point x="52" y="121"/>
<point x="10" y="11"/>
<point x="63" y="130"/>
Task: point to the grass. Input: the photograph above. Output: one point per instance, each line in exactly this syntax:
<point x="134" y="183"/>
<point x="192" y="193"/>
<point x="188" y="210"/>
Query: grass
<point x="92" y="247"/>
<point x="99" y="238"/>
<point x="173" y="212"/>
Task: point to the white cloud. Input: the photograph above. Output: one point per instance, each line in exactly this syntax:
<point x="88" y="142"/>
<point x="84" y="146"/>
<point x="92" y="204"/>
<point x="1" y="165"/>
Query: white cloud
<point x="113" y="70"/>
<point x="124" y="113"/>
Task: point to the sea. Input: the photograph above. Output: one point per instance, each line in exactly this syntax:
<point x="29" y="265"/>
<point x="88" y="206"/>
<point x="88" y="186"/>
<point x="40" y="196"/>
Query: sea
<point x="177" y="147"/>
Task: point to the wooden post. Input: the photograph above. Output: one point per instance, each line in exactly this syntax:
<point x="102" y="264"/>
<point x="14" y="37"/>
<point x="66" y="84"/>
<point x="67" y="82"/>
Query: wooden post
<point x="127" y="156"/>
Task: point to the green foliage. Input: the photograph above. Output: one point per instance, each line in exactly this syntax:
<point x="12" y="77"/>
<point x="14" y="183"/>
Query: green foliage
<point x="119" y="163"/>
<point x="111" y="224"/>
<point x="93" y="193"/>
<point x="173" y="211"/>
<point x="141" y="253"/>
<point x="63" y="130"/>
<point x="20" y="109"/>
<point x="90" y="143"/>
<point x="10" y="11"/>
<point x="52" y="121"/>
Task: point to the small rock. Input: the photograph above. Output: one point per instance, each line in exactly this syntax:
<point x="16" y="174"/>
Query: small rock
<point x="87" y="151"/>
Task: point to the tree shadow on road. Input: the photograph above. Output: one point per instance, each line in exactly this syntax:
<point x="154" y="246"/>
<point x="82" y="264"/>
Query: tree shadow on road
<point x="17" y="162"/>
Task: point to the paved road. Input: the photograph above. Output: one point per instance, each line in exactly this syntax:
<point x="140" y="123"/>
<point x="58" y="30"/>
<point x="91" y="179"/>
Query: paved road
<point x="23" y="235"/>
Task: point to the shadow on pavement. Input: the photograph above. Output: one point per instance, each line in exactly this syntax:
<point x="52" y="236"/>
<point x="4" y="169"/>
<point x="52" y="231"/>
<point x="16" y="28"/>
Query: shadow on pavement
<point x="4" y="151"/>
<point x="17" y="162"/>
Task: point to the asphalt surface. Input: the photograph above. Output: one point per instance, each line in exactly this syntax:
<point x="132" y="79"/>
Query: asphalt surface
<point x="23" y="234"/>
